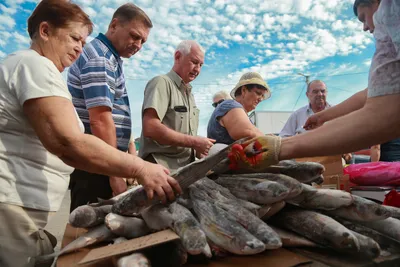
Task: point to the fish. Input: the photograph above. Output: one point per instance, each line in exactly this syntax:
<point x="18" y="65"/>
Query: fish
<point x="291" y="239"/>
<point x="95" y="235"/>
<point x="221" y="228"/>
<point x="252" y="223"/>
<point x="369" y="249"/>
<point x="128" y="227"/>
<point x="223" y="194"/>
<point x="317" y="227"/>
<point x="134" y="202"/>
<point x="383" y="240"/>
<point x="305" y="172"/>
<point x="188" y="228"/>
<point x="113" y="200"/>
<point x="133" y="260"/>
<point x="275" y="208"/>
<point x="88" y="216"/>
<point x="119" y="240"/>
<point x="361" y="210"/>
<point x="294" y="186"/>
<point x="394" y="211"/>
<point x="322" y="199"/>
<point x="158" y="217"/>
<point x="255" y="190"/>
<point x="389" y="227"/>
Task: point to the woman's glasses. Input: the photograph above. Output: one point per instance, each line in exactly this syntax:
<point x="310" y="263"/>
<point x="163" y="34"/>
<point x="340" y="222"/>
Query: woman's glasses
<point x="217" y="103"/>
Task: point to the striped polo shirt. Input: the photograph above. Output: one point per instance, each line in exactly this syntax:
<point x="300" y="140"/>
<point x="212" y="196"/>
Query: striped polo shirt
<point x="96" y="79"/>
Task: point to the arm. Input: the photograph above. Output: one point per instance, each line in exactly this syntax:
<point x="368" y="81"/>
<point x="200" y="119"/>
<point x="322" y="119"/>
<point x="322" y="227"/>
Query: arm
<point x="54" y="121"/>
<point x="102" y="126"/>
<point x="377" y="116"/>
<point x="154" y="129"/>
<point x="375" y="153"/>
<point x="355" y="102"/>
<point x="238" y="125"/>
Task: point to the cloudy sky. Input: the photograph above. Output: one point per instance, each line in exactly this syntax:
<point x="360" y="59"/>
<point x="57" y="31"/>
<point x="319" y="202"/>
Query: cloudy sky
<point x="277" y="38"/>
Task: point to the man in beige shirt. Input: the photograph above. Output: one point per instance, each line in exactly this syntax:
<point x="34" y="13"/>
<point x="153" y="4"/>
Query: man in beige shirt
<point x="170" y="117"/>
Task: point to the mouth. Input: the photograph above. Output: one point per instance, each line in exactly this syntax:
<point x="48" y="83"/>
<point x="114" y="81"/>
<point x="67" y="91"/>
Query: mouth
<point x="72" y="57"/>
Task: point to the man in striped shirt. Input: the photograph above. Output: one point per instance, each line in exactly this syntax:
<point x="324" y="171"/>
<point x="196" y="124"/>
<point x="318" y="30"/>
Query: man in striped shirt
<point x="97" y="85"/>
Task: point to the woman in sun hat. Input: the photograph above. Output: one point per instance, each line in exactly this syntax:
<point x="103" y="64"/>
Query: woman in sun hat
<point x="229" y="121"/>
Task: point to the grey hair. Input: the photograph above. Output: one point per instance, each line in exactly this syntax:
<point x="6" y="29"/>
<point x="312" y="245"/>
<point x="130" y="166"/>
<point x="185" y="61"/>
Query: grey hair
<point x="314" y="81"/>
<point x="224" y="94"/>
<point x="185" y="46"/>
<point x="358" y="3"/>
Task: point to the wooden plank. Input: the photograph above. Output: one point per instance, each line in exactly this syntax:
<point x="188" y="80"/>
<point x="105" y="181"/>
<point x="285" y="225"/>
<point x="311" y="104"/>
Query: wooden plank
<point x="336" y="259"/>
<point x="277" y="257"/>
<point x="132" y="245"/>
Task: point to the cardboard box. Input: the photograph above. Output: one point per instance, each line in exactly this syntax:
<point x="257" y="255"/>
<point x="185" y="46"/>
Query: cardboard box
<point x="333" y="175"/>
<point x="107" y="255"/>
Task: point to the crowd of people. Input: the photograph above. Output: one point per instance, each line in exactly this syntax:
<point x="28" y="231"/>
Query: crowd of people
<point x="55" y="134"/>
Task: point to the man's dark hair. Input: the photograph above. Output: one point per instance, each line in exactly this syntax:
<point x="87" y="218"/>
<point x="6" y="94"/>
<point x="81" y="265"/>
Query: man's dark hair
<point x="358" y="3"/>
<point x="129" y="12"/>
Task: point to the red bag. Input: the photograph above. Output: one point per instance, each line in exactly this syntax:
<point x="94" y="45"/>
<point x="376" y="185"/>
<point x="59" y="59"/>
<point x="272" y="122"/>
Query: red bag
<point x="392" y="198"/>
<point x="374" y="173"/>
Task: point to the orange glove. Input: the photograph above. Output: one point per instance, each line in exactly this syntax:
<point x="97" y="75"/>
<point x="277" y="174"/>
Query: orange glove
<point x="256" y="153"/>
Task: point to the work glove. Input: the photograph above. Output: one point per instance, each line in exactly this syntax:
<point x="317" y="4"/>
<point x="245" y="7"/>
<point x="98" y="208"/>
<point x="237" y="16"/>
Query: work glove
<point x="256" y="153"/>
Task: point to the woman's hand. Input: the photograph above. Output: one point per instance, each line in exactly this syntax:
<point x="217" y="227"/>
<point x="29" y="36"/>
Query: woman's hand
<point x="155" y="178"/>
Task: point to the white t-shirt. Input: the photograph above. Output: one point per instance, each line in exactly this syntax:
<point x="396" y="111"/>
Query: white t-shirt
<point x="30" y="176"/>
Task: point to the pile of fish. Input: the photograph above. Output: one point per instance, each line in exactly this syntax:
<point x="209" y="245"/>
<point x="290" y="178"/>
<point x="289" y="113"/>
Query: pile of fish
<point x="245" y="214"/>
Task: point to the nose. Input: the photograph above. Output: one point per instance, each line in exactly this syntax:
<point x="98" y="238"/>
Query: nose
<point x="366" y="28"/>
<point x="138" y="44"/>
<point x="78" y="48"/>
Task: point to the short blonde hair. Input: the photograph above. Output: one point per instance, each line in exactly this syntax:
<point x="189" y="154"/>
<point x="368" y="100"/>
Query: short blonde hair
<point x="223" y="94"/>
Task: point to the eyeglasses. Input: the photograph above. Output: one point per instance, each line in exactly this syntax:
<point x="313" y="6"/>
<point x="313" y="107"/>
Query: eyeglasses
<point x="217" y="103"/>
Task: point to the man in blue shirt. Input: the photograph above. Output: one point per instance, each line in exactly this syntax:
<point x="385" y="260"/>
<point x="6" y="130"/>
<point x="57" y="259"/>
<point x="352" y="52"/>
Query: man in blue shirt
<point x="97" y="85"/>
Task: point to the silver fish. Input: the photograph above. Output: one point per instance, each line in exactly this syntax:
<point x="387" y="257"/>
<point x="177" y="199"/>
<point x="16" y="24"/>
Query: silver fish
<point x="361" y="210"/>
<point x="291" y="239"/>
<point x="294" y="186"/>
<point x="158" y="217"/>
<point x="133" y="260"/>
<point x="221" y="228"/>
<point x="383" y="240"/>
<point x="88" y="216"/>
<point x="275" y="208"/>
<point x="394" y="211"/>
<point x="223" y="194"/>
<point x="389" y="227"/>
<point x="95" y="235"/>
<point x="319" y="228"/>
<point x="188" y="228"/>
<point x="259" y="191"/>
<point x="323" y="199"/>
<point x="368" y="247"/>
<point x="136" y="201"/>
<point x="128" y="227"/>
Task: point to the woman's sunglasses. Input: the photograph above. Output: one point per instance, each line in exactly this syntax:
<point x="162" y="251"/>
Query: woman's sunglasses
<point x="217" y="103"/>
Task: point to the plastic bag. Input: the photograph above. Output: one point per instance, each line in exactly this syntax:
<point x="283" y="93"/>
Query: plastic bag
<point x="374" y="173"/>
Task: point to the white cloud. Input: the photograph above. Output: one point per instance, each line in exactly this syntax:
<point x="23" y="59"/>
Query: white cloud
<point x="6" y="22"/>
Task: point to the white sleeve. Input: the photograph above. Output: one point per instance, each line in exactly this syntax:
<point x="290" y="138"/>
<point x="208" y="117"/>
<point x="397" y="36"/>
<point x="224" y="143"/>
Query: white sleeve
<point x="290" y="127"/>
<point x="36" y="77"/>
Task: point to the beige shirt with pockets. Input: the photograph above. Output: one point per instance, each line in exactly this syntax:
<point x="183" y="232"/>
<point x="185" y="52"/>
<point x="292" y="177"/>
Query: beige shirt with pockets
<point x="175" y="106"/>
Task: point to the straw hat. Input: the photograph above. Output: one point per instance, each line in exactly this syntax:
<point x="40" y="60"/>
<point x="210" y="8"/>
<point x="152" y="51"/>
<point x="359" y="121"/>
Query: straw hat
<point x="252" y="78"/>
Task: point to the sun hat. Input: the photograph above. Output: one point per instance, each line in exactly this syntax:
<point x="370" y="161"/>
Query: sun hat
<point x="252" y="78"/>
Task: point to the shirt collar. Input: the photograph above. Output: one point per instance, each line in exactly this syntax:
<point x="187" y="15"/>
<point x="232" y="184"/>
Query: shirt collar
<point x="178" y="81"/>
<point x="107" y="42"/>
<point x="309" y="109"/>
